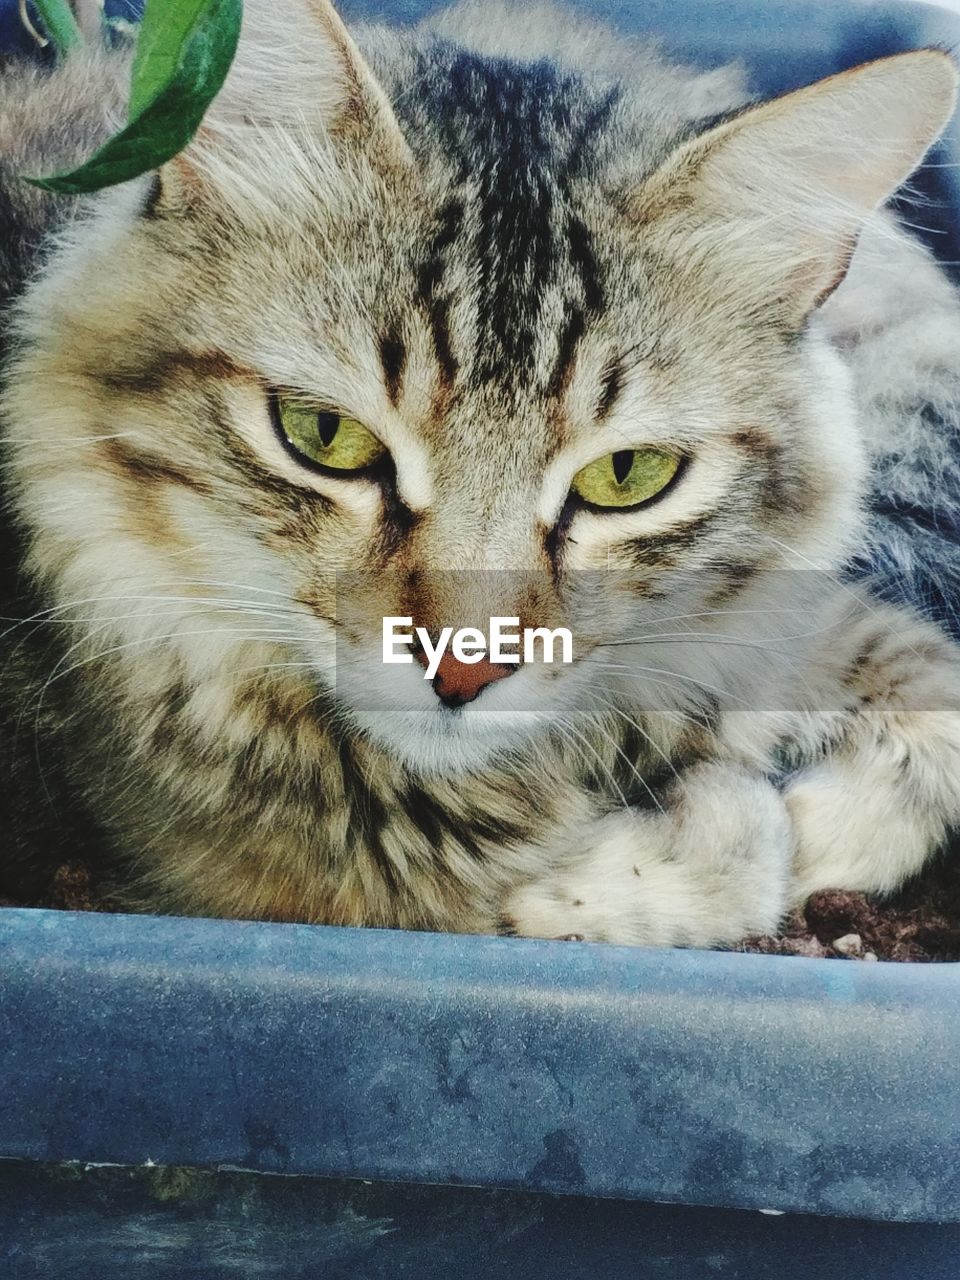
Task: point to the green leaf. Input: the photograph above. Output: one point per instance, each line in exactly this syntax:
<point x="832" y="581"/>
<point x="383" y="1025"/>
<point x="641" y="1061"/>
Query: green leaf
<point x="59" y="24"/>
<point x="184" y="72"/>
<point x="165" y="29"/>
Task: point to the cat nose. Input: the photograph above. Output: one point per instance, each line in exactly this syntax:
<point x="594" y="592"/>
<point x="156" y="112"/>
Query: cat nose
<point x="458" y="682"/>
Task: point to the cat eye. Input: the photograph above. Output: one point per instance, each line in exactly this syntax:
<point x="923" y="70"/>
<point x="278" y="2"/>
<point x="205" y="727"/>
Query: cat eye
<point x="329" y="440"/>
<point x="626" y="478"/>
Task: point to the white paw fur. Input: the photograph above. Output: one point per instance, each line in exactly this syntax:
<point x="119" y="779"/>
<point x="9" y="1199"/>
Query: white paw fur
<point x="713" y="867"/>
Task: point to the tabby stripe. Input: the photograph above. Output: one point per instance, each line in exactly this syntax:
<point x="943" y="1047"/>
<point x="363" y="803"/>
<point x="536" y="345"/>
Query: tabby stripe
<point x="439" y="315"/>
<point x="150" y="470"/>
<point x="369" y="814"/>
<point x="679" y="538"/>
<point x="393" y="358"/>
<point x="585" y="260"/>
<point x="573" y="331"/>
<point x="172" y="365"/>
<point x="429" y="280"/>
<point x="611" y="388"/>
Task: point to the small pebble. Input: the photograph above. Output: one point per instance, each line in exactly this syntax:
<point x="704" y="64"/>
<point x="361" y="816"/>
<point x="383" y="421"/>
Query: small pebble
<point x="851" y="944"/>
<point x="869" y="955"/>
<point x="811" y="947"/>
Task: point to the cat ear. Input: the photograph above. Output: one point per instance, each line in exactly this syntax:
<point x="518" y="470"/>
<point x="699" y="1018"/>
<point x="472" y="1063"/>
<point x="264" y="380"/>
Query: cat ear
<point x="296" y="66"/>
<point x="771" y="202"/>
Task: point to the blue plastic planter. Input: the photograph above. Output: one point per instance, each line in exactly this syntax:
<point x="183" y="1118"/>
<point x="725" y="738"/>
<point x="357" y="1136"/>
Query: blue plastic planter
<point x="523" y="1108"/>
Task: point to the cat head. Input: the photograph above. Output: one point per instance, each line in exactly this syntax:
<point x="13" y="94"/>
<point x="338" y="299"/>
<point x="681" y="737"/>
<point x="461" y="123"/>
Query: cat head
<point x="528" y="343"/>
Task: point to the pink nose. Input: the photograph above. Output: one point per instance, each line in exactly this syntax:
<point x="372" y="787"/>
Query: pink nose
<point x="458" y="682"/>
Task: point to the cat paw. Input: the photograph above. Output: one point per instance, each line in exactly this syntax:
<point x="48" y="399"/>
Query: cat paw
<point x="714" y="867"/>
<point x="853" y="836"/>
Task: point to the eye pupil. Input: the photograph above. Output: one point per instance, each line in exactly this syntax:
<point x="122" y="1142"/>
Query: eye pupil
<point x="627" y="478"/>
<point x="328" y="424"/>
<point x="622" y="464"/>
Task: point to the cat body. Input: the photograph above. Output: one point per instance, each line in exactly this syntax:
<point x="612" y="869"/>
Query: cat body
<point x="506" y="244"/>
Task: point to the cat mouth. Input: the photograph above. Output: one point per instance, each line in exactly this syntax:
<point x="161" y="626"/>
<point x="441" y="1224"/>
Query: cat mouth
<point x="449" y="753"/>
<point x="449" y="738"/>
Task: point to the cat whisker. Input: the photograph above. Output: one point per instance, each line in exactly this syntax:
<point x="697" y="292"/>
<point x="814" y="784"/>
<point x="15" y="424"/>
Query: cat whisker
<point x="707" y="638"/>
<point x="73" y="440"/>
<point x="159" y="597"/>
<point x="641" y="672"/>
<point x="235" y="586"/>
<point x="647" y="738"/>
<point x="60" y="671"/>
<point x="100" y="622"/>
<point x="565" y="727"/>
<point x="215" y="603"/>
<point x="723" y="613"/>
<point x="863" y="600"/>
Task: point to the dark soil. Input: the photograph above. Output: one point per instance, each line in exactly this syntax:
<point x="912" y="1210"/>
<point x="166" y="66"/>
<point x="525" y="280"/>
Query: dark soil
<point x="72" y="887"/>
<point x="922" y="923"/>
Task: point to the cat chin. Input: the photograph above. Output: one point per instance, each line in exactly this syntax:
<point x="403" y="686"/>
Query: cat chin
<point x="450" y="744"/>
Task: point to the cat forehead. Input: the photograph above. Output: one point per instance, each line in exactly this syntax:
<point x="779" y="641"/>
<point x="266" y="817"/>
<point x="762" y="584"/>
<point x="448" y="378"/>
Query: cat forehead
<point x="501" y="218"/>
<point x="513" y="257"/>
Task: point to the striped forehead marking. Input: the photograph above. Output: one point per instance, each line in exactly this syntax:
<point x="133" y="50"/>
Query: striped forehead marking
<point x="520" y="136"/>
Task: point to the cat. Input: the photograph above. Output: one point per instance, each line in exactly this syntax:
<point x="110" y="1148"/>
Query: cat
<point x="502" y="315"/>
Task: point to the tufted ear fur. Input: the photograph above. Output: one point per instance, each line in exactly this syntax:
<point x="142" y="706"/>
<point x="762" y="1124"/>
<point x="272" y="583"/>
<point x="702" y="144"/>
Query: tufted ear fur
<point x="296" y="67"/>
<point x="770" y="203"/>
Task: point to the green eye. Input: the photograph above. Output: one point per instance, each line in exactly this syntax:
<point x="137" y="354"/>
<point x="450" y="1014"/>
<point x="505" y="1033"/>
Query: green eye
<point x="626" y="478"/>
<point x="330" y="439"/>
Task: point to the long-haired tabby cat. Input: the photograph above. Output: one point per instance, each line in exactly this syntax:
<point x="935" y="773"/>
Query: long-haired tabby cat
<point x="498" y="316"/>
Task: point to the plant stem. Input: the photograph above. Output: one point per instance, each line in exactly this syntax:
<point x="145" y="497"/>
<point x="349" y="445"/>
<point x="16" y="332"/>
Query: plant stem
<point x="61" y="26"/>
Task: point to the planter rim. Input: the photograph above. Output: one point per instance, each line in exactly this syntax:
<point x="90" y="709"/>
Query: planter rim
<point x="809" y="1086"/>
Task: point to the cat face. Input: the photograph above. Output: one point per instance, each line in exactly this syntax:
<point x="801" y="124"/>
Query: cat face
<point x="472" y="357"/>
